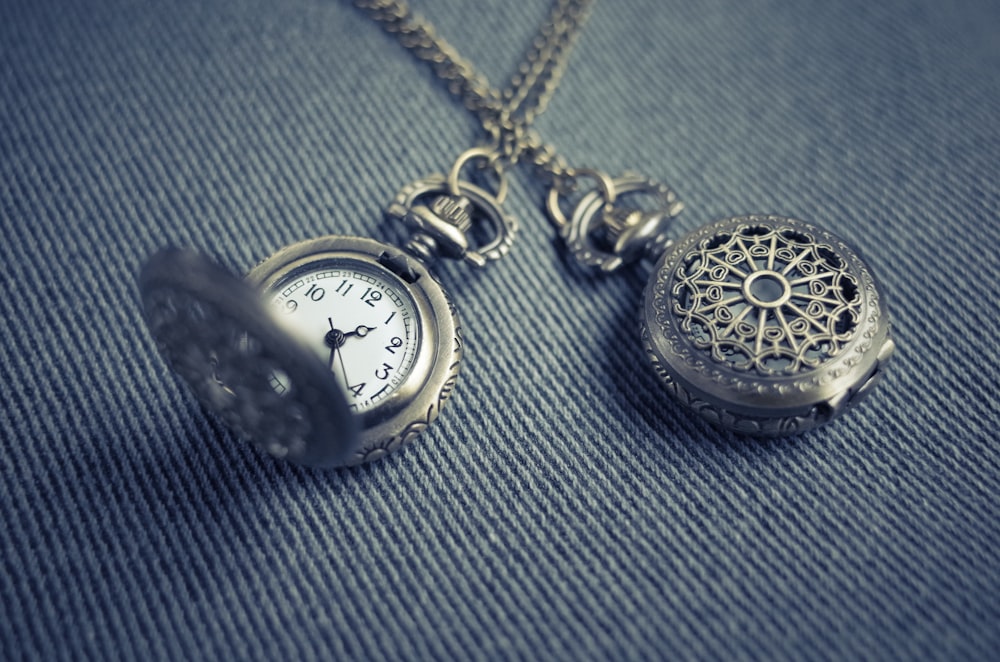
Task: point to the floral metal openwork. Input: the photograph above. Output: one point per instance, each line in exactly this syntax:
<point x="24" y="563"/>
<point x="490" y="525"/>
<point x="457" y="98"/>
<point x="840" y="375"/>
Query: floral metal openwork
<point x="769" y="300"/>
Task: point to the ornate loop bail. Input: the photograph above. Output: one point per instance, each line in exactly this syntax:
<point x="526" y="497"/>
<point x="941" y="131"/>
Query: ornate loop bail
<point x="605" y="234"/>
<point x="442" y="210"/>
<point x="492" y="161"/>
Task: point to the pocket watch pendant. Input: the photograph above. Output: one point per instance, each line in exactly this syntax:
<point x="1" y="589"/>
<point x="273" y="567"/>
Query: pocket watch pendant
<point x="332" y="351"/>
<point x="761" y="324"/>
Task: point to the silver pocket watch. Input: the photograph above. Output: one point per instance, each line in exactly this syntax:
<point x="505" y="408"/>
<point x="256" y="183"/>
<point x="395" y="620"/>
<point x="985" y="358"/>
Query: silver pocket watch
<point x="765" y="325"/>
<point x="332" y="351"/>
<point x="761" y="324"/>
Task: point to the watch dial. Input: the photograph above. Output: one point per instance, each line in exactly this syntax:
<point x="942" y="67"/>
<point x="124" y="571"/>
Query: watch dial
<point x="358" y="319"/>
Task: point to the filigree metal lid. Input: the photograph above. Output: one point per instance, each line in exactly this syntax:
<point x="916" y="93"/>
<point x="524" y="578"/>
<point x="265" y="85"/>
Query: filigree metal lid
<point x="213" y="329"/>
<point x="765" y="324"/>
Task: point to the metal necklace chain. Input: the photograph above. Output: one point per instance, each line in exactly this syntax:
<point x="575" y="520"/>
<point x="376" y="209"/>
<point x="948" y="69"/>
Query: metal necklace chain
<point x="600" y="231"/>
<point x="506" y="115"/>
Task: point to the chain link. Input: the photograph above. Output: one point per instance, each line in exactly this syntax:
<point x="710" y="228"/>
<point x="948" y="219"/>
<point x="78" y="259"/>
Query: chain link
<point x="506" y="115"/>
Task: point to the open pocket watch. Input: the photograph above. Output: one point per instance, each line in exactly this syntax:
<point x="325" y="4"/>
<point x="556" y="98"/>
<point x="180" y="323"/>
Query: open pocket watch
<point x="761" y="324"/>
<point x="336" y="350"/>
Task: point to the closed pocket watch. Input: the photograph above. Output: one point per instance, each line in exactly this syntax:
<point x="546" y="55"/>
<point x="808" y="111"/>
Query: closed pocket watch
<point x="761" y="324"/>
<point x="765" y="325"/>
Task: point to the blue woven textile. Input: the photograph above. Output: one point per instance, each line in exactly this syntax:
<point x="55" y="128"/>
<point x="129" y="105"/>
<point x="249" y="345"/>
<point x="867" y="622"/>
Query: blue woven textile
<point x="562" y="508"/>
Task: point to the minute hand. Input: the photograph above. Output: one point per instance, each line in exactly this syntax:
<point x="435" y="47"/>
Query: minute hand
<point x="343" y="369"/>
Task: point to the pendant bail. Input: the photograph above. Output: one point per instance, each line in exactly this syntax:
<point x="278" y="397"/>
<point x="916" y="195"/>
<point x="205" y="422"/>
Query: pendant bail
<point x="443" y="210"/>
<point x="601" y="232"/>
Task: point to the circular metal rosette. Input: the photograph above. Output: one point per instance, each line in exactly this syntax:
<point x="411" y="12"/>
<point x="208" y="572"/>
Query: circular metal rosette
<point x="765" y="325"/>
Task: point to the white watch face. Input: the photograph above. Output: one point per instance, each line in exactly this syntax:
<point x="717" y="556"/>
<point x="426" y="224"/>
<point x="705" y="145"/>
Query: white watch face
<point x="358" y="319"/>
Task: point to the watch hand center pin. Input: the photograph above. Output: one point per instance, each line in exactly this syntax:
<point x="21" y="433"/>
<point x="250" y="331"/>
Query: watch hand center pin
<point x="334" y="338"/>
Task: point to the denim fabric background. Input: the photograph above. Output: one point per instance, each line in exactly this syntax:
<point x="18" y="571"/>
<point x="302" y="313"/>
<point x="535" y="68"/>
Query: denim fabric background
<point x="562" y="508"/>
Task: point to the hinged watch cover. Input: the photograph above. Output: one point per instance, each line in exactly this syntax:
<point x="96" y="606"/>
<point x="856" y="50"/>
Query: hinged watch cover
<point x="216" y="332"/>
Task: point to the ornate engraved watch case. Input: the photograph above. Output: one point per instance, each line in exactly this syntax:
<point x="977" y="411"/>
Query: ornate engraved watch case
<point x="762" y="324"/>
<point x="765" y="325"/>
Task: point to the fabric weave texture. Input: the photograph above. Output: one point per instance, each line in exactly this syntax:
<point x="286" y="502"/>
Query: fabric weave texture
<point x="562" y="508"/>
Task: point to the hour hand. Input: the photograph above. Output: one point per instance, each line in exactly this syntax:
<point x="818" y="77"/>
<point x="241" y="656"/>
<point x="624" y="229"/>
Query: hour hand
<point x="360" y="332"/>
